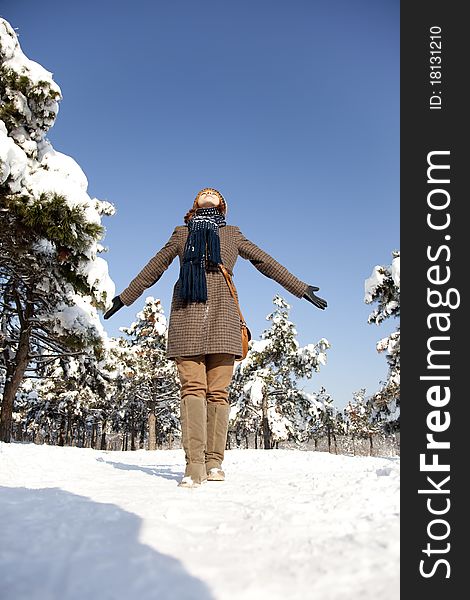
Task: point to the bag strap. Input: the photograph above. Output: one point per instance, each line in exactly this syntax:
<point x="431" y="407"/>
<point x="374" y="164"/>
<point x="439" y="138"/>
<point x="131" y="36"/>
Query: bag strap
<point x="232" y="290"/>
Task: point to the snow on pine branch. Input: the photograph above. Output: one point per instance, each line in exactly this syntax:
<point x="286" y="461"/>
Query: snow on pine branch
<point x="383" y="287"/>
<point x="30" y="97"/>
<point x="35" y="178"/>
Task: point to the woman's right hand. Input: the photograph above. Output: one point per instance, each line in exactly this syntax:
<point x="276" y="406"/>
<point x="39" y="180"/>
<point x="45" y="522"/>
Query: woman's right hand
<point x="117" y="304"/>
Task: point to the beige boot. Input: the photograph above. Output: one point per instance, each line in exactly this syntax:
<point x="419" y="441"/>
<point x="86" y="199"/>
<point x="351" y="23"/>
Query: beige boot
<point x="217" y="427"/>
<point x="193" y="417"/>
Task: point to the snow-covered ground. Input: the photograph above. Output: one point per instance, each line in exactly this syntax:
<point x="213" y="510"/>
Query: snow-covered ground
<point x="82" y="524"/>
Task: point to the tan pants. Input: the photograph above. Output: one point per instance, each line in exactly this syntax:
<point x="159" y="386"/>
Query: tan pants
<point x="206" y="375"/>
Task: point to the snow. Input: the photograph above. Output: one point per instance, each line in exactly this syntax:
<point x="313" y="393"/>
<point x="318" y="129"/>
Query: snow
<point x="372" y="283"/>
<point x="38" y="113"/>
<point x="396" y="271"/>
<point x="60" y="174"/>
<point x="35" y="72"/>
<point x="97" y="275"/>
<point x="153" y="305"/>
<point x="8" y="40"/>
<point x="81" y="523"/>
<point x="255" y="388"/>
<point x="315" y="350"/>
<point x="260" y="345"/>
<point x="17" y="61"/>
<point x="382" y="344"/>
<point x="278" y="424"/>
<point x="44" y="246"/>
<point x="13" y="160"/>
<point x="78" y="318"/>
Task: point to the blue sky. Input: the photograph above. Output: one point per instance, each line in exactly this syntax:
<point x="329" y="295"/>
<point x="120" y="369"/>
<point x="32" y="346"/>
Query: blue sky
<point x="290" y="109"/>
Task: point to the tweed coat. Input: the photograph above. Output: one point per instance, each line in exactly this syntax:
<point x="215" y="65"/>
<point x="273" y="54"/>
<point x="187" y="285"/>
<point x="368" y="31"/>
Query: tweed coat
<point x="214" y="325"/>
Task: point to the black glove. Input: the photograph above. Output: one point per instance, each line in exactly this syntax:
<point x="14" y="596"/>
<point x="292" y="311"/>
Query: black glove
<point x="316" y="300"/>
<point x="117" y="304"/>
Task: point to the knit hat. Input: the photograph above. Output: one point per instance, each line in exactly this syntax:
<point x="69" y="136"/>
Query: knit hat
<point x="222" y="206"/>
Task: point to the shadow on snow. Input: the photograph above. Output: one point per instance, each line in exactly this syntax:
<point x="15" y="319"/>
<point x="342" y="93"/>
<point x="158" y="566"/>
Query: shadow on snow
<point x="163" y="471"/>
<point x="60" y="546"/>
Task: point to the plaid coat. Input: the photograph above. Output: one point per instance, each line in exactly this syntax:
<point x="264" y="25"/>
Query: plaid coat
<point x="214" y="325"/>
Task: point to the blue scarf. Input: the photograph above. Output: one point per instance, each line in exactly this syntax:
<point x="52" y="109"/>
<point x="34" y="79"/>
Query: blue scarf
<point x="202" y="247"/>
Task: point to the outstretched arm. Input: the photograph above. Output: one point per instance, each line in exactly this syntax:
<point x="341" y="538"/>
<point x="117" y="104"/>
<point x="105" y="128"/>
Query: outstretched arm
<point x="149" y="275"/>
<point x="267" y="265"/>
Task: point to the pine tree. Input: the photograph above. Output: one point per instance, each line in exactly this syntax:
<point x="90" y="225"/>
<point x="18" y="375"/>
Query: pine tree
<point x="264" y="392"/>
<point x="361" y="418"/>
<point x="150" y="392"/>
<point x="383" y="287"/>
<point x="67" y="404"/>
<point x="52" y="280"/>
<point x="330" y="422"/>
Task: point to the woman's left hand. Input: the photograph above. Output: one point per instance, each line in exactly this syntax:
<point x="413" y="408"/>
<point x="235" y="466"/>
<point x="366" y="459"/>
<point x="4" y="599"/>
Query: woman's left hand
<point x="316" y="300"/>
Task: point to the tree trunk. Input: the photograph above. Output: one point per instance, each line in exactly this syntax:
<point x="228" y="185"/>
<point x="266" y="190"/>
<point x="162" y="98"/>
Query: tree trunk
<point x="62" y="432"/>
<point x="371" y="444"/>
<point x="170" y="441"/>
<point x="152" y="424"/>
<point x="132" y="431"/>
<point x="94" y="435"/>
<point x="265" y="423"/>
<point x="142" y="434"/>
<point x="68" y="436"/>
<point x="328" y="430"/>
<point x="14" y="376"/>
<point x="103" y="435"/>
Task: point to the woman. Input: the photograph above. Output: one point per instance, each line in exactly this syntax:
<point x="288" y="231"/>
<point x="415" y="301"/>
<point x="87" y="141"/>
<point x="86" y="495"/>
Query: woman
<point x="204" y="335"/>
